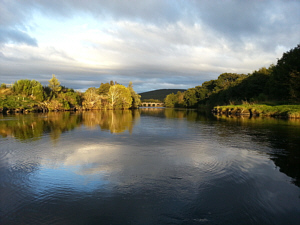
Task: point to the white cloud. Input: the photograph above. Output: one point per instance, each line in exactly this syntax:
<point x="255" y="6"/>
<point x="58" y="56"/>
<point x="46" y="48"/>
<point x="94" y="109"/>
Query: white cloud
<point x="171" y="41"/>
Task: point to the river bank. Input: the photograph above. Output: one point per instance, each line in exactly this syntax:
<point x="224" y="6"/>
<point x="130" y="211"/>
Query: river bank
<point x="284" y="111"/>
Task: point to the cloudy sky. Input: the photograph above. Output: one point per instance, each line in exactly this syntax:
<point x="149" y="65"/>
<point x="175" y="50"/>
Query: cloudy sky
<point x="153" y="43"/>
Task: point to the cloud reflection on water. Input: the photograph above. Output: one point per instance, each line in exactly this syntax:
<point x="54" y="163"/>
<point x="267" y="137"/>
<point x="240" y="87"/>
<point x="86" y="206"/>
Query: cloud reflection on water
<point x="173" y="164"/>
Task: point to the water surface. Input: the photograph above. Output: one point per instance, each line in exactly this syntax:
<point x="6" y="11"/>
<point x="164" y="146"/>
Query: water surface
<point x="148" y="166"/>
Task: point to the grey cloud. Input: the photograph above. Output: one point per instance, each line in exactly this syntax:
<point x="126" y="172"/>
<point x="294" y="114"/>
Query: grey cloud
<point x="237" y="30"/>
<point x="144" y="78"/>
<point x="236" y="21"/>
<point x="266" y="23"/>
<point x="13" y="16"/>
<point x="15" y="12"/>
<point x="146" y="10"/>
<point x="231" y="17"/>
<point x="16" y="36"/>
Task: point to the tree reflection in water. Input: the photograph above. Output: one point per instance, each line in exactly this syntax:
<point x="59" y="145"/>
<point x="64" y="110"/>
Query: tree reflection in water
<point x="281" y="135"/>
<point x="33" y="126"/>
<point x="115" y="121"/>
<point x="283" y="143"/>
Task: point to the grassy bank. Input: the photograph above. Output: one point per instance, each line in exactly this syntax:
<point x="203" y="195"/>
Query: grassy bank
<point x="288" y="111"/>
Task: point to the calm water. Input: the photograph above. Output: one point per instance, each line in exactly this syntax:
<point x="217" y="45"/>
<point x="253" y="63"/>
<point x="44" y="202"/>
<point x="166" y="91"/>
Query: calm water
<point x="149" y="166"/>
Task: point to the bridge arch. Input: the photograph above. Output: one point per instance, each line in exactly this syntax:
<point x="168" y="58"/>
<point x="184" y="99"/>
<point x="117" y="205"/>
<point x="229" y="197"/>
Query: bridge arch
<point x="152" y="104"/>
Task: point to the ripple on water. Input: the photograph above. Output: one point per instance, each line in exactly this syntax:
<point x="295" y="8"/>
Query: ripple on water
<point x="182" y="177"/>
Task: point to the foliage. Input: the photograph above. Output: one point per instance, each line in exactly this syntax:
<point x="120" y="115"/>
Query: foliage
<point x="3" y="86"/>
<point x="29" y="88"/>
<point x="173" y="100"/>
<point x="170" y="100"/>
<point x="285" y="79"/>
<point x="92" y="100"/>
<point x="159" y="94"/>
<point x="152" y="100"/>
<point x="291" y="111"/>
<point x="31" y="95"/>
<point x="279" y="82"/>
<point x="190" y="98"/>
<point x="17" y="102"/>
<point x="119" y="97"/>
<point x="136" y="98"/>
<point x="103" y="89"/>
<point x="54" y="84"/>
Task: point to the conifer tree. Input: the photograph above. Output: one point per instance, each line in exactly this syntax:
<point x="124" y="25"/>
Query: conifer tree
<point x="54" y="84"/>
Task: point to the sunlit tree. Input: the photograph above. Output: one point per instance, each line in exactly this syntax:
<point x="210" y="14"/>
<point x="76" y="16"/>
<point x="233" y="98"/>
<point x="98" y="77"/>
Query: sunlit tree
<point x="136" y="98"/>
<point x="54" y="84"/>
<point x="170" y="100"/>
<point x="103" y="89"/>
<point x="119" y="97"/>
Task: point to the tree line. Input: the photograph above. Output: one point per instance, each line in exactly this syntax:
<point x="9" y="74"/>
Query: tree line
<point x="31" y="95"/>
<point x="278" y="84"/>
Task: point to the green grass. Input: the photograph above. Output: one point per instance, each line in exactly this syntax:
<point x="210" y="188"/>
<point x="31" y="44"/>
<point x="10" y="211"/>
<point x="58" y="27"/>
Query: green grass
<point x="289" y="111"/>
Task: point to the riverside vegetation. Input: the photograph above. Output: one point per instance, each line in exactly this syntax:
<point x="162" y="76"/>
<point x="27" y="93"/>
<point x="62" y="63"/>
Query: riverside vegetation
<point x="273" y="91"/>
<point x="30" y="95"/>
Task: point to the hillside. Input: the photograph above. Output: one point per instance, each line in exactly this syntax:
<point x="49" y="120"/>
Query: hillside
<point x="159" y="94"/>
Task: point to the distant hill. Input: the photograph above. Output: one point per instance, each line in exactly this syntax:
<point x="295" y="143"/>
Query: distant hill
<point x="159" y="94"/>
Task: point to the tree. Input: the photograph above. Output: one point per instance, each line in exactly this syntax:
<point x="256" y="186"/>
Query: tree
<point x="285" y="79"/>
<point x="30" y="88"/>
<point x="190" y="98"/>
<point x="92" y="99"/>
<point x="38" y="92"/>
<point x="54" y="84"/>
<point x="3" y="86"/>
<point x="179" y="99"/>
<point x="119" y="97"/>
<point x="136" y="98"/>
<point x="170" y="100"/>
<point x="103" y="89"/>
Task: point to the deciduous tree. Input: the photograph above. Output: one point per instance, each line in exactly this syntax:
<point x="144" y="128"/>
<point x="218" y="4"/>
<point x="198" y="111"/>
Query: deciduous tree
<point x="136" y="98"/>
<point x="119" y="97"/>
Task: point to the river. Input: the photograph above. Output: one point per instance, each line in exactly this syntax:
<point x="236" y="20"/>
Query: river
<point x="148" y="166"/>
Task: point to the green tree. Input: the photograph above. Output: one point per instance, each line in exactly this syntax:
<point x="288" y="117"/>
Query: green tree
<point x="179" y="99"/>
<point x="3" y="86"/>
<point x="92" y="100"/>
<point x="31" y="88"/>
<point x="285" y="78"/>
<point x="38" y="92"/>
<point x="190" y="98"/>
<point x="103" y="89"/>
<point x="136" y="98"/>
<point x="119" y="97"/>
<point x="22" y="87"/>
<point x="54" y="84"/>
<point x="170" y="100"/>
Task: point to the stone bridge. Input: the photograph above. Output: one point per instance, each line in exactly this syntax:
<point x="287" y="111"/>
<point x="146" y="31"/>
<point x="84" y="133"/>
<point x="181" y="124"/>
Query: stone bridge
<point x="152" y="104"/>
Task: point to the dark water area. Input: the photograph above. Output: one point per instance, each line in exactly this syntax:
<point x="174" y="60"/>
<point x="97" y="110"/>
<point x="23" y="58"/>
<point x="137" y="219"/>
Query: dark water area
<point x="148" y="166"/>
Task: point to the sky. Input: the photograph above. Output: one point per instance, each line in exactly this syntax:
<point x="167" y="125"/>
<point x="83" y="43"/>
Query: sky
<point x="156" y="44"/>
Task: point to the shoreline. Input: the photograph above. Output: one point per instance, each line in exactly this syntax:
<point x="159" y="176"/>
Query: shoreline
<point x="280" y="111"/>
